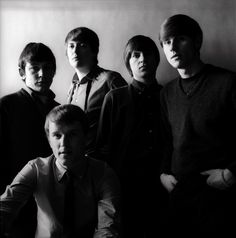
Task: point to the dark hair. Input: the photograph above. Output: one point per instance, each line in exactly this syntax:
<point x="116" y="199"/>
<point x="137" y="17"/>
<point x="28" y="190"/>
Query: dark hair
<point x="35" y="52"/>
<point x="140" y="43"/>
<point x="181" y="25"/>
<point x="84" y="35"/>
<point x="67" y="114"/>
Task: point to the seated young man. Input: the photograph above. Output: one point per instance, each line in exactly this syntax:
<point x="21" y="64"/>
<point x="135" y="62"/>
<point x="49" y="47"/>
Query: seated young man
<point x="22" y="117"/>
<point x="90" y="82"/>
<point x="90" y="208"/>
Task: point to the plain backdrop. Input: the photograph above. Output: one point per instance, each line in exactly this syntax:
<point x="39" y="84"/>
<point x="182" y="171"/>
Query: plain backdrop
<point x="115" y="22"/>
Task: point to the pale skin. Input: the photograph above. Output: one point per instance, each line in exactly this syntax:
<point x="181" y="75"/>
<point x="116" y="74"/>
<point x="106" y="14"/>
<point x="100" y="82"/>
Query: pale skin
<point x="143" y="66"/>
<point x="81" y="57"/>
<point x="67" y="143"/>
<point x="38" y="76"/>
<point x="183" y="54"/>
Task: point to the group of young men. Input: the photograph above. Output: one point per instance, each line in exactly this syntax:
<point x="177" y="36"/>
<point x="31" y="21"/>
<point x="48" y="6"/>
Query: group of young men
<point x="119" y="160"/>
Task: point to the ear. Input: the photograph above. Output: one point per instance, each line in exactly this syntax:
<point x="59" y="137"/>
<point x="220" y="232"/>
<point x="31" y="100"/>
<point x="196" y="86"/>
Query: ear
<point x="198" y="43"/>
<point x="21" y="72"/>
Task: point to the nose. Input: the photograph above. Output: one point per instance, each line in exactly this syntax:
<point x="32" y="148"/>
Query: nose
<point x="141" y="57"/>
<point x="40" y="72"/>
<point x="63" y="140"/>
<point x="77" y="48"/>
<point x="173" y="45"/>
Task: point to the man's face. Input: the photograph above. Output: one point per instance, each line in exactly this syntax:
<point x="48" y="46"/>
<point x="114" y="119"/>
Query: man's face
<point x="180" y="51"/>
<point x="143" y="65"/>
<point x="79" y="54"/>
<point x="39" y="75"/>
<point x="67" y="142"/>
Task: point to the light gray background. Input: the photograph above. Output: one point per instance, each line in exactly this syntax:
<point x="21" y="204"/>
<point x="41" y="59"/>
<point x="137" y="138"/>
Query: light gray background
<point x="115" y="21"/>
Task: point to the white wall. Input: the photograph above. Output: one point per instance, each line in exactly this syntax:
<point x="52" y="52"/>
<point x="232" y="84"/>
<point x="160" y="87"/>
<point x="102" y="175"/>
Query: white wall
<point x="115" y="21"/>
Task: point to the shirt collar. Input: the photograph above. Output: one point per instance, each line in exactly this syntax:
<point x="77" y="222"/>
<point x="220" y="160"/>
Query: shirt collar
<point x="141" y="87"/>
<point x="78" y="170"/>
<point x="92" y="75"/>
<point x="43" y="97"/>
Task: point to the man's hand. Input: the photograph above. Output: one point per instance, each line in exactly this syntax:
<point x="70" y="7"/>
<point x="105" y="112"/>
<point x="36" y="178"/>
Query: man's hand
<point x="219" y="178"/>
<point x="168" y="181"/>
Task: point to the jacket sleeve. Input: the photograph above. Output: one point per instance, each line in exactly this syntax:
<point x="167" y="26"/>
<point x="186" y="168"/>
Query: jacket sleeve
<point x="109" y="224"/>
<point x="167" y="138"/>
<point x="3" y="145"/>
<point x="105" y="127"/>
<point x="16" y="195"/>
<point x="232" y="165"/>
<point x="115" y="80"/>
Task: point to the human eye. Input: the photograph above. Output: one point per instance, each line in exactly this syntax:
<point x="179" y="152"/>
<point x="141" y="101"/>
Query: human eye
<point x="34" y="68"/>
<point x="182" y="38"/>
<point x="82" y="45"/>
<point x="135" y="54"/>
<point x="71" y="45"/>
<point x="167" y="42"/>
<point x="56" y="135"/>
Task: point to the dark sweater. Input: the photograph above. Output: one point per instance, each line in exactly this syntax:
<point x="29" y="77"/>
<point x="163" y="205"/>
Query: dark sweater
<point x="201" y="124"/>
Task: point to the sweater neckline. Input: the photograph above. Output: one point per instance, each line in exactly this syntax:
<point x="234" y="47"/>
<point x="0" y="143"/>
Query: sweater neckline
<point x="190" y="86"/>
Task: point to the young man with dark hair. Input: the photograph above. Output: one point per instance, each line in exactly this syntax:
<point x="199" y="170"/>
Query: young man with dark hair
<point x="76" y="196"/>
<point x="199" y="117"/>
<point x="90" y="82"/>
<point x="129" y="139"/>
<point x="22" y="116"/>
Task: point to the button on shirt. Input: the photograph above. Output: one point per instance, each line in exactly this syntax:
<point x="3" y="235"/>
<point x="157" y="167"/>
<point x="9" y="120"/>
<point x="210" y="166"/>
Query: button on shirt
<point x="146" y="138"/>
<point x="96" y="196"/>
<point x="89" y="92"/>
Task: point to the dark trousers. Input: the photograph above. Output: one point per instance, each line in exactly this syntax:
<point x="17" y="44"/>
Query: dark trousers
<point x="25" y="224"/>
<point x="144" y="205"/>
<point x="196" y="209"/>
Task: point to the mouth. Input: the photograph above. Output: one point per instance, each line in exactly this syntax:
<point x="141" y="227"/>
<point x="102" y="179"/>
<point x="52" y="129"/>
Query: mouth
<point x="175" y="56"/>
<point x="41" y="84"/>
<point x="65" y="152"/>
<point x="143" y="67"/>
<point x="75" y="58"/>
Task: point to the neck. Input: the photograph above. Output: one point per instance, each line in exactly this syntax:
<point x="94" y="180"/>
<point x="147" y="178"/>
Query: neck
<point x="146" y="80"/>
<point x="192" y="70"/>
<point x="83" y="71"/>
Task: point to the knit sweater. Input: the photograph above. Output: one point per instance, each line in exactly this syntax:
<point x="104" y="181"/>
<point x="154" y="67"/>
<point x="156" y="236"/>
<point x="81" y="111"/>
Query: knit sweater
<point x="200" y="126"/>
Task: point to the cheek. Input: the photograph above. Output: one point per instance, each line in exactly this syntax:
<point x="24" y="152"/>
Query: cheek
<point x="166" y="52"/>
<point x="29" y="79"/>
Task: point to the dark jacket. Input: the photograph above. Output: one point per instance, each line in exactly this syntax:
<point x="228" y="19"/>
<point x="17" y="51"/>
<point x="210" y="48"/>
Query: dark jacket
<point x="129" y="130"/>
<point x="22" y="136"/>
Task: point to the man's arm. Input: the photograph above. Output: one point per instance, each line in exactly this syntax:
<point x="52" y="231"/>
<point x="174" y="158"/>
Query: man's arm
<point x="16" y="195"/>
<point x="104" y="133"/>
<point x="109" y="224"/>
<point x="167" y="179"/>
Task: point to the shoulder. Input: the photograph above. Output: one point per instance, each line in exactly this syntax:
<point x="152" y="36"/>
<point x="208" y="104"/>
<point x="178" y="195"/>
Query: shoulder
<point x="42" y="164"/>
<point x="169" y="86"/>
<point x="119" y="92"/>
<point x="111" y="77"/>
<point x="119" y="96"/>
<point x="13" y="100"/>
<point x="98" y="168"/>
<point x="12" y="96"/>
<point x="220" y="78"/>
<point x="108" y="73"/>
<point x="219" y="71"/>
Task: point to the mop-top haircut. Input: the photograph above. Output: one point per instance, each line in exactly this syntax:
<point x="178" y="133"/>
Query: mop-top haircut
<point x="140" y="43"/>
<point x="178" y="25"/>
